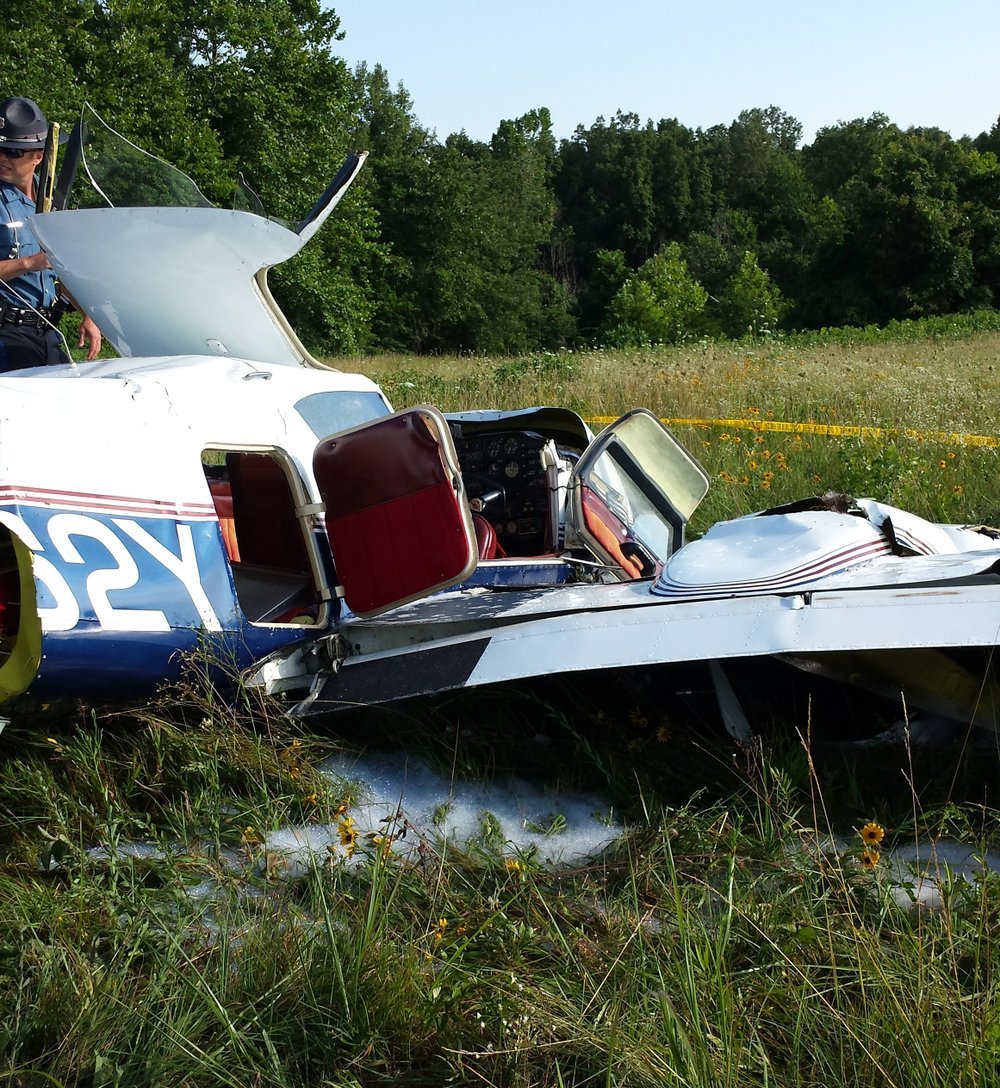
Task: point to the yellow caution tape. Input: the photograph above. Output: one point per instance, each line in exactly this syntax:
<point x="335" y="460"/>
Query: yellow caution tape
<point x="835" y="430"/>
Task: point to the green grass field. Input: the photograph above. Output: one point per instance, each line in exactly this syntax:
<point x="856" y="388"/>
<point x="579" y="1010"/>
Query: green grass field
<point x="725" y="938"/>
<point x="932" y="387"/>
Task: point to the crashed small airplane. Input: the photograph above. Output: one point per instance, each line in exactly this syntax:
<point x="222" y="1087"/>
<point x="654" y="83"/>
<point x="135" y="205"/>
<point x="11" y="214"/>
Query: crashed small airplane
<point x="217" y="489"/>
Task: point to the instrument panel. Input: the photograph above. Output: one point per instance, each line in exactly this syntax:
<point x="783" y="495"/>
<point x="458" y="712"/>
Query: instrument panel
<point x="503" y="470"/>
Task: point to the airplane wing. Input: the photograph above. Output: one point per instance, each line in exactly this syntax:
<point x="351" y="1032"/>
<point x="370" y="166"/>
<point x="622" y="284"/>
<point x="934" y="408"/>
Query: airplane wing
<point x="461" y="640"/>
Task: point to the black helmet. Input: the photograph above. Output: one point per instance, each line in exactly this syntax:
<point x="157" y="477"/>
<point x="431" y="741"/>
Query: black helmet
<point x="22" y="124"/>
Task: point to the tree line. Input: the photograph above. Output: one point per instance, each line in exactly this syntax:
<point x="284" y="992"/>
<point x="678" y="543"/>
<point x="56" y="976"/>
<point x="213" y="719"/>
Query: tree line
<point x="628" y="232"/>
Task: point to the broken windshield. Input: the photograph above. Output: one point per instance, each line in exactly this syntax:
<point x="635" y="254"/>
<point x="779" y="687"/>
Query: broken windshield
<point x="161" y="271"/>
<point x="122" y="175"/>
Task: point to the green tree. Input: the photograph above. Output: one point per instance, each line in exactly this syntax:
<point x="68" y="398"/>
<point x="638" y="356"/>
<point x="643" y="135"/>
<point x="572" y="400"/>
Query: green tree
<point x="43" y="47"/>
<point x="714" y="254"/>
<point x="467" y="228"/>
<point x="608" y="275"/>
<point x="981" y="195"/>
<point x="604" y="185"/>
<point x="847" y="150"/>
<point x="399" y="185"/>
<point x="658" y="304"/>
<point x="910" y="233"/>
<point x="750" y="303"/>
<point x="628" y="187"/>
<point x="535" y="307"/>
<point x="760" y="141"/>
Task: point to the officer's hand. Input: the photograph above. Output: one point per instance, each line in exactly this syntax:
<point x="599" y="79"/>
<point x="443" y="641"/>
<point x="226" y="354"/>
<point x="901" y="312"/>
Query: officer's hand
<point x="90" y="335"/>
<point x="37" y="262"/>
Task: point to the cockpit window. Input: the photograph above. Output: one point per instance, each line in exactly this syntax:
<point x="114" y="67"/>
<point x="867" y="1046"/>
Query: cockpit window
<point x="328" y="413"/>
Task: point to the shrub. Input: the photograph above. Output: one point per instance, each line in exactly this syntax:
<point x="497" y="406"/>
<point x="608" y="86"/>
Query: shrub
<point x="658" y="304"/>
<point x="750" y="304"/>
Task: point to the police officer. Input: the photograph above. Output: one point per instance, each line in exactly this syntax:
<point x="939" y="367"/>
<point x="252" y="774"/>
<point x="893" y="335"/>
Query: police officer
<point x="29" y="303"/>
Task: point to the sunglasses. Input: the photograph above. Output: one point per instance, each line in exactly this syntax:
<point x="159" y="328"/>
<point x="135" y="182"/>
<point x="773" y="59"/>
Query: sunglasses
<point x="13" y="152"/>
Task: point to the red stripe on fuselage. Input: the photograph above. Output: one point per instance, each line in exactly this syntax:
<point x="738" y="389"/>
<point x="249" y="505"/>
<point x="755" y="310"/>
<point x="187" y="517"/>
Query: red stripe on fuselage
<point x="110" y="504"/>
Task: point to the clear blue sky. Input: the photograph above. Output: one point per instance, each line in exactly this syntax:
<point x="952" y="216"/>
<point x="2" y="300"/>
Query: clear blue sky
<point x="468" y="64"/>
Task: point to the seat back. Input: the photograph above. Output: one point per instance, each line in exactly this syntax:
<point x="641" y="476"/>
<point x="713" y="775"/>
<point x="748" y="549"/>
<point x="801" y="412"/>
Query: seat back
<point x="486" y="537"/>
<point x="264" y="512"/>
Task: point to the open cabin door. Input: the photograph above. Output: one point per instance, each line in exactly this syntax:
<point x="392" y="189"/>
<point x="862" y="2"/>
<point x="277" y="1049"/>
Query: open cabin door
<point x="631" y="494"/>
<point x="397" y="518"/>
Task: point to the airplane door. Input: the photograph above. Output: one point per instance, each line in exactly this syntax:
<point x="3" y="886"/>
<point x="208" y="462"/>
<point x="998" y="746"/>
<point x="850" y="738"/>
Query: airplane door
<point x="397" y="517"/>
<point x="631" y="494"/>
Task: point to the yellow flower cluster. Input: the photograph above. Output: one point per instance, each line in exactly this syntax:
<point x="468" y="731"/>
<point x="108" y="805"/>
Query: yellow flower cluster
<point x="757" y="464"/>
<point x="348" y="833"/>
<point x="871" y="836"/>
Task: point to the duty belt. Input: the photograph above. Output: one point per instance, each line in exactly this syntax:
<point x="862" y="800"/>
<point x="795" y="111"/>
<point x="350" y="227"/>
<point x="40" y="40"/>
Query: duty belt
<point x="39" y="319"/>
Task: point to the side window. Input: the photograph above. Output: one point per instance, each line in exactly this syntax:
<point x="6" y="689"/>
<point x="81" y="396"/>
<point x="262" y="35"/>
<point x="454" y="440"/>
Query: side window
<point x="267" y="539"/>
<point x="328" y="412"/>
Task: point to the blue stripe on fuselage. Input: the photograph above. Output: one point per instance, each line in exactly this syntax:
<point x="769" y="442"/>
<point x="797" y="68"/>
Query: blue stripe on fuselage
<point x="122" y="598"/>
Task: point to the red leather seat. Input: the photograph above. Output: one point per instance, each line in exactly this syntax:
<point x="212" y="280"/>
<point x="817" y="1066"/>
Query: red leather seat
<point x="486" y="537"/>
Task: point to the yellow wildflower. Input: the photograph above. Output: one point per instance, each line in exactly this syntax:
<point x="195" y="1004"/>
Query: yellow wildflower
<point x="872" y="834"/>
<point x="348" y="834"/>
<point x="870" y="859"/>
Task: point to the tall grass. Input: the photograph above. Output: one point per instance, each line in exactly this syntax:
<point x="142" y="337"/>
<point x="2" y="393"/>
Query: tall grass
<point x="941" y="384"/>
<point x="736" y="934"/>
<point x="723" y="941"/>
